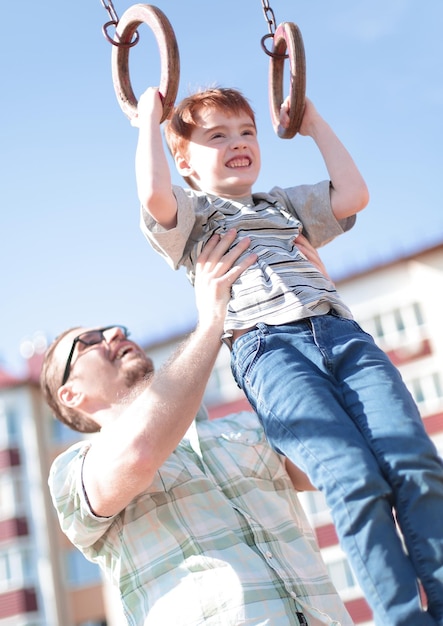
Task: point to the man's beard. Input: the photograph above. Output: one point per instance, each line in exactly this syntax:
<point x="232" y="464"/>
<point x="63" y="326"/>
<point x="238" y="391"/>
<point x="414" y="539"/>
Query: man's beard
<point x="138" y="372"/>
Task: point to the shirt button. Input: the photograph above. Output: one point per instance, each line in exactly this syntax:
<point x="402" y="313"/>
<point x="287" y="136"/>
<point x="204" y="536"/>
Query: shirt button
<point x="269" y="554"/>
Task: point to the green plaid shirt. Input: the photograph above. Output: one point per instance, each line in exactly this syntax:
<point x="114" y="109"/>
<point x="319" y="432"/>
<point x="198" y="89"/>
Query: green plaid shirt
<point x="219" y="538"/>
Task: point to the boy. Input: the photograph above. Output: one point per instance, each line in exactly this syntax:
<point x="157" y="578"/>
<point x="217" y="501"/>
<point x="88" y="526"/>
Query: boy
<point x="328" y="398"/>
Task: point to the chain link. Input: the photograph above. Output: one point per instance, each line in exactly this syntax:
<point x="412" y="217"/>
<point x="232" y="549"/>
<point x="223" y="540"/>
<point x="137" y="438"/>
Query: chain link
<point x="111" y="11"/>
<point x="107" y="4"/>
<point x="272" y="24"/>
<point x="269" y="16"/>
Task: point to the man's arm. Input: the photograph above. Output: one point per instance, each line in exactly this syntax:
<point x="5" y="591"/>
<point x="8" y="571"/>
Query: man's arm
<point x="311" y="253"/>
<point x="124" y="457"/>
<point x="151" y="166"/>
<point x="298" y="478"/>
<point x="349" y="193"/>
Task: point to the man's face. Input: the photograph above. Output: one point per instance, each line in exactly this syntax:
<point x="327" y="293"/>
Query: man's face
<point x="223" y="154"/>
<point x="104" y="362"/>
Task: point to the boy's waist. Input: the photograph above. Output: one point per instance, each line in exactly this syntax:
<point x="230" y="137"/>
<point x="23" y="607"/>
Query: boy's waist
<point x="230" y="336"/>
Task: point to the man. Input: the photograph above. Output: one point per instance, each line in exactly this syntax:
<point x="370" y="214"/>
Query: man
<point x="194" y="521"/>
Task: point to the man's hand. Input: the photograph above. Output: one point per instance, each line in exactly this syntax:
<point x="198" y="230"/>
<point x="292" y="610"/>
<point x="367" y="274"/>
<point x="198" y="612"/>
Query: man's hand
<point x="311" y="253"/>
<point x="216" y="271"/>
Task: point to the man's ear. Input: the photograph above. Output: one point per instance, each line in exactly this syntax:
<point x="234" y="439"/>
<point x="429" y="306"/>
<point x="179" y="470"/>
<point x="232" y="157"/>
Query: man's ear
<point x="69" y="397"/>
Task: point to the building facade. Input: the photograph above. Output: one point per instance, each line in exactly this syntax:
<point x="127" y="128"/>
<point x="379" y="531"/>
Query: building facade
<point x="44" y="580"/>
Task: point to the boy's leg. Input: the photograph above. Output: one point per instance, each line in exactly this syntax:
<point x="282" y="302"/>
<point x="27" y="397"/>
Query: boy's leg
<point x="298" y="399"/>
<point x="381" y="406"/>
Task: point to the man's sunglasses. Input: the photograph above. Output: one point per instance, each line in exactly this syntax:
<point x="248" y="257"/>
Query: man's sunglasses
<point x="90" y="338"/>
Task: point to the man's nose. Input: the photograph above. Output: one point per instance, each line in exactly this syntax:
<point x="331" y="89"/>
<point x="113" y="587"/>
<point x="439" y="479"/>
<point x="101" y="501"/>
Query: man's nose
<point x="113" y="333"/>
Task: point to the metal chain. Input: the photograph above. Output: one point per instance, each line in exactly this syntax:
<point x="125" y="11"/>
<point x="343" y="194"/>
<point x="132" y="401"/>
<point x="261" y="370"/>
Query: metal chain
<point x="114" y="22"/>
<point x="270" y="18"/>
<point x="110" y="9"/>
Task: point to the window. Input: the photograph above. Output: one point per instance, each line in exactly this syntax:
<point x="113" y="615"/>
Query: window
<point x="377" y="333"/>
<point x="26" y="621"/>
<point x="63" y="434"/>
<point x="11" y="494"/>
<point x="427" y="391"/>
<point x="341" y="574"/>
<point x="396" y="327"/>
<point x="438" y="440"/>
<point x="221" y="386"/>
<point x="314" y="504"/>
<point x="399" y="321"/>
<point x="79" y="571"/>
<point x="9" y="423"/>
<point x="16" y="567"/>
<point x="418" y="314"/>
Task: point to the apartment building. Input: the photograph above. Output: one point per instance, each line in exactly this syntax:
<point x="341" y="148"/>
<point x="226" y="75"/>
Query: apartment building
<point x="396" y="304"/>
<point x="44" y="581"/>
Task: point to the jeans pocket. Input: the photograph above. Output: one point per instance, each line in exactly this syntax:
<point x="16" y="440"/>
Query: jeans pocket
<point x="245" y="352"/>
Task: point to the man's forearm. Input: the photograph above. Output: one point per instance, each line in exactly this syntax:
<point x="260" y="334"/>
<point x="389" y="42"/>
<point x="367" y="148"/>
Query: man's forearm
<point x="125" y="457"/>
<point x="177" y="392"/>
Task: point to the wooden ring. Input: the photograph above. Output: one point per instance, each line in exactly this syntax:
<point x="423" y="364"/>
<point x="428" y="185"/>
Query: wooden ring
<point x="287" y="37"/>
<point x="169" y="57"/>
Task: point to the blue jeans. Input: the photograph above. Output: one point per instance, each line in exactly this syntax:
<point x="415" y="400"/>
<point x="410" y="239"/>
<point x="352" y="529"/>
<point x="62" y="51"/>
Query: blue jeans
<point x="332" y="402"/>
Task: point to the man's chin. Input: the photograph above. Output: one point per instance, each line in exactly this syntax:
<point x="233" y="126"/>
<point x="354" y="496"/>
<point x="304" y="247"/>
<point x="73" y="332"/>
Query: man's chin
<point x="140" y="370"/>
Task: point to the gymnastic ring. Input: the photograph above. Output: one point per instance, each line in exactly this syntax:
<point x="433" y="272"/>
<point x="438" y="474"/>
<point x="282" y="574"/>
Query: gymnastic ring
<point x="169" y="58"/>
<point x="287" y="37"/>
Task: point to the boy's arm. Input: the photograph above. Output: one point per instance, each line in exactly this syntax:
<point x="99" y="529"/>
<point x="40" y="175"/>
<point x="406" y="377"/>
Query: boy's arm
<point x="152" y="173"/>
<point x="349" y="193"/>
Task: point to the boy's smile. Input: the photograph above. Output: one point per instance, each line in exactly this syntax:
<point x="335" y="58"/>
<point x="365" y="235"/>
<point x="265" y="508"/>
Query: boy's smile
<point x="239" y="162"/>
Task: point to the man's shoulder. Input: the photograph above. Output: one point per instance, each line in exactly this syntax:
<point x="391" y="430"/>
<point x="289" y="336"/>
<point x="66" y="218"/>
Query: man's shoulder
<point x="233" y="422"/>
<point x="239" y="417"/>
<point x="66" y="461"/>
<point x="77" y="448"/>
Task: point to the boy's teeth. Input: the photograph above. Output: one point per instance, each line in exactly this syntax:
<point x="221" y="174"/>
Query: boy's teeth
<point x="239" y="163"/>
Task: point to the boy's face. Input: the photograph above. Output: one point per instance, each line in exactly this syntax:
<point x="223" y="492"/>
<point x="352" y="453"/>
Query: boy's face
<point x="223" y="155"/>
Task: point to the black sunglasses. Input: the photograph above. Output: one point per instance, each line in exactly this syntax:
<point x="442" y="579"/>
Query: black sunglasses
<point x="89" y="338"/>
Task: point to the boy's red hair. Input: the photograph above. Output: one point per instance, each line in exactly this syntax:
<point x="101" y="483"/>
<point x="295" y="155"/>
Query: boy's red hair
<point x="179" y="127"/>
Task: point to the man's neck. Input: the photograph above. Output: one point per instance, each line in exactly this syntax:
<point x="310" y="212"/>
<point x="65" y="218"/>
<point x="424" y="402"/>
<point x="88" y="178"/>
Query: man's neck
<point x="106" y="414"/>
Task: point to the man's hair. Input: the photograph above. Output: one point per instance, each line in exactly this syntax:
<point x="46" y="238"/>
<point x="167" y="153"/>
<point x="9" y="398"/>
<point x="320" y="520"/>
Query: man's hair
<point x="183" y="121"/>
<point x="50" y="382"/>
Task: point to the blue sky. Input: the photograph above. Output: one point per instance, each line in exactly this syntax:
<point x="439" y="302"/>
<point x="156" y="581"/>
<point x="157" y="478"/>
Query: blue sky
<point x="71" y="250"/>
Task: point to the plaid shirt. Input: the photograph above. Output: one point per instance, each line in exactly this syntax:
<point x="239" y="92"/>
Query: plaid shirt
<point x="219" y="538"/>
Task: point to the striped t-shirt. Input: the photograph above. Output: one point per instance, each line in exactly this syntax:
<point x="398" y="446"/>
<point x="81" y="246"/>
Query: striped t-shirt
<point x="282" y="286"/>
